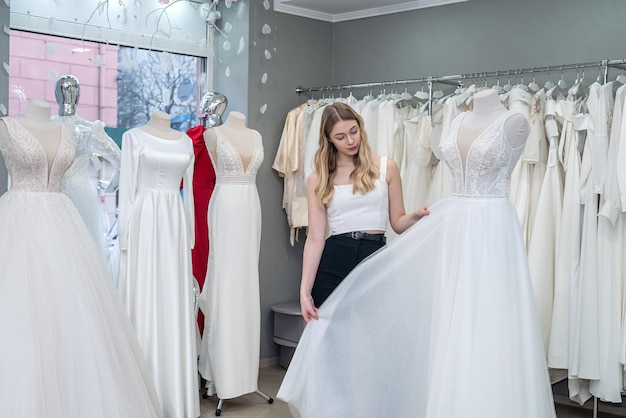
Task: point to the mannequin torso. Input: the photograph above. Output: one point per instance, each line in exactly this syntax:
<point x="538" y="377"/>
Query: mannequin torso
<point x="240" y="136"/>
<point x="159" y="126"/>
<point x="487" y="108"/>
<point x="36" y="120"/>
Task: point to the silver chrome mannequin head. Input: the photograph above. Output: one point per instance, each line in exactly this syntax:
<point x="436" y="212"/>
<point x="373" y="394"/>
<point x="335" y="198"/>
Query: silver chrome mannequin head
<point x="67" y="92"/>
<point x="212" y="107"/>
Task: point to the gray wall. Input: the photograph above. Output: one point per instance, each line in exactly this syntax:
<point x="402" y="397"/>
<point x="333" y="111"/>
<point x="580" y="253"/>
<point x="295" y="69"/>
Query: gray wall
<point x="4" y="80"/>
<point x="478" y="36"/>
<point x="475" y="36"/>
<point x="289" y="64"/>
<point x="280" y="264"/>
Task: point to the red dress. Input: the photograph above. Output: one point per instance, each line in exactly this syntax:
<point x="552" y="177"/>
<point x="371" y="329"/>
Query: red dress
<point x="203" y="185"/>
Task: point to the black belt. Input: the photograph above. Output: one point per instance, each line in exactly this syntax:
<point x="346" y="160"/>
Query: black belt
<point x="358" y="235"/>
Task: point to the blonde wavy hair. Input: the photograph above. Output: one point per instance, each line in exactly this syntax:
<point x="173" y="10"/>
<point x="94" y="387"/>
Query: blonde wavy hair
<point x="365" y="173"/>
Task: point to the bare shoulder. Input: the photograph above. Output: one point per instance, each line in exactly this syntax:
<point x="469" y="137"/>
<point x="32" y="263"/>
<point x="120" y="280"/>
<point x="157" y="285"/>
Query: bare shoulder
<point x="313" y="179"/>
<point x="392" y="169"/>
<point x="391" y="164"/>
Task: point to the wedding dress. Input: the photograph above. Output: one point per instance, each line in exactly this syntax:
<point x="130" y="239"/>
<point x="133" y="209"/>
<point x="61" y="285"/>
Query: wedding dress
<point x="67" y="348"/>
<point x="440" y="323"/>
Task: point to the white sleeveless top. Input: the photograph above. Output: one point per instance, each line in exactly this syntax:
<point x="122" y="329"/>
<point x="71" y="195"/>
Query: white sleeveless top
<point x="348" y="212"/>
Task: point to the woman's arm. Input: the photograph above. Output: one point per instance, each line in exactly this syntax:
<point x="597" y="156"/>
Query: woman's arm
<point x="313" y="248"/>
<point x="399" y="220"/>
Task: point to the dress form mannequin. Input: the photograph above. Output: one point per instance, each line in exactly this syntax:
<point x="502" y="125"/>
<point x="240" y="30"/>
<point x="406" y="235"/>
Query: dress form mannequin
<point x="36" y="120"/>
<point x="213" y="106"/>
<point x="487" y="108"/>
<point x="67" y="92"/>
<point x="90" y="140"/>
<point x="159" y="126"/>
<point x="89" y="136"/>
<point x="230" y="298"/>
<point x="238" y="134"/>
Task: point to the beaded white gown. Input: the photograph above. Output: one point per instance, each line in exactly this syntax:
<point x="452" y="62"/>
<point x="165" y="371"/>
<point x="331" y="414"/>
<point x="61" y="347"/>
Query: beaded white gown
<point x="441" y="323"/>
<point x="67" y="348"/>
<point x="230" y="299"/>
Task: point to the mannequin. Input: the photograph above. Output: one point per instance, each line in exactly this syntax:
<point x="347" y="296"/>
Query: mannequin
<point x="159" y="125"/>
<point x="238" y="134"/>
<point x="59" y="308"/>
<point x="211" y="108"/>
<point x="230" y="299"/>
<point x="36" y="120"/>
<point x="156" y="235"/>
<point x="486" y="109"/>
<point x="90" y="140"/>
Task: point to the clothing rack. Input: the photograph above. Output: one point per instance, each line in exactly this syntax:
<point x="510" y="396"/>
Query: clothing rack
<point x="459" y="79"/>
<point x="602" y="66"/>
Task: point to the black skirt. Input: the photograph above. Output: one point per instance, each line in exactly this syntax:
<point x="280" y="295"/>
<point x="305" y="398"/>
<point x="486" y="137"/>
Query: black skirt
<point x="341" y="255"/>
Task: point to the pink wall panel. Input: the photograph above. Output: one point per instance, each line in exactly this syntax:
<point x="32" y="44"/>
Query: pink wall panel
<point x="38" y="60"/>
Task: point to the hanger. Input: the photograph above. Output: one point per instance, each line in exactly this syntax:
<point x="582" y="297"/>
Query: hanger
<point x="549" y="84"/>
<point x="621" y="78"/>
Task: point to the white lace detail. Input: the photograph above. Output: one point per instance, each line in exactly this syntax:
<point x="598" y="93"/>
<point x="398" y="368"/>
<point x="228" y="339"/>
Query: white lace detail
<point x="27" y="163"/>
<point x="229" y="165"/>
<point x="490" y="160"/>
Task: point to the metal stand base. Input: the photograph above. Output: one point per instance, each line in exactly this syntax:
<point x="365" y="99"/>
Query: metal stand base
<point x="220" y="402"/>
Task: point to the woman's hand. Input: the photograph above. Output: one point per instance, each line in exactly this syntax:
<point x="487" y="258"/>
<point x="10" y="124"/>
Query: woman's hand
<point x="309" y="311"/>
<point x="420" y="213"/>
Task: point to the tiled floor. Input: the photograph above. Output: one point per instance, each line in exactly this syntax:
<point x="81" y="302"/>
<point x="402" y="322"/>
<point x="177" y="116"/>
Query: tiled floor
<point x="253" y="406"/>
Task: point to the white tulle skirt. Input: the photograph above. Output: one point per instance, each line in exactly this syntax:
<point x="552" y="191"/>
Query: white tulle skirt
<point x="67" y="348"/>
<point x="441" y="323"/>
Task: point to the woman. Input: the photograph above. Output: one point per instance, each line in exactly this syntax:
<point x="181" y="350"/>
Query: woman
<point x="354" y="195"/>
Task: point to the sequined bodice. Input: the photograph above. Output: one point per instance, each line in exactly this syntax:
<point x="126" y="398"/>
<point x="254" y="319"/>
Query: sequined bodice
<point x="489" y="163"/>
<point x="229" y="168"/>
<point x="27" y="163"/>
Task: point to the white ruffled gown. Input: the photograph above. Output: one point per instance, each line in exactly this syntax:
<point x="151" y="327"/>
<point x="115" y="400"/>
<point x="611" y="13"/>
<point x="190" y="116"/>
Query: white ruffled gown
<point x="67" y="348"/>
<point x="441" y="323"/>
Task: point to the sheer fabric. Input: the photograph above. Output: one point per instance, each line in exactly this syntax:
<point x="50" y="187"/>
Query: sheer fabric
<point x="67" y="347"/>
<point x="440" y="318"/>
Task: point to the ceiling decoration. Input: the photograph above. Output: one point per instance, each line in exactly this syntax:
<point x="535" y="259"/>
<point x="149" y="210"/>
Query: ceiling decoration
<point x="338" y="11"/>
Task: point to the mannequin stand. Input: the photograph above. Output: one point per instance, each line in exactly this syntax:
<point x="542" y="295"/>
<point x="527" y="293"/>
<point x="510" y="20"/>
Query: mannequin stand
<point x="220" y="402"/>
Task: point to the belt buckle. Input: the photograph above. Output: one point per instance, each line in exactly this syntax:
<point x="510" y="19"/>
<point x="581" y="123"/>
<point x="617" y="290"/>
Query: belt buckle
<point x="356" y="235"/>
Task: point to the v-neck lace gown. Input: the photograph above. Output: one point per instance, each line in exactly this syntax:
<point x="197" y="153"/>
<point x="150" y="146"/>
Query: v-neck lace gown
<point x="230" y="347"/>
<point x="67" y="348"/>
<point x="441" y="323"/>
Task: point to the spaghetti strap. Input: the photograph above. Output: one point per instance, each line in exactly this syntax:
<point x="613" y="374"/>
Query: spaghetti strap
<point x="383" y="168"/>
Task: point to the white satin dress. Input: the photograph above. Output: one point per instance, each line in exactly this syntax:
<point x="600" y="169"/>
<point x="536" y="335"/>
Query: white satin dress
<point x="156" y="234"/>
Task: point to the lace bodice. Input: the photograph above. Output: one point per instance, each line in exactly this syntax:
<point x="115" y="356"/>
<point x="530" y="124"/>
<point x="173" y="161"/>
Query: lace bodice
<point x="229" y="167"/>
<point x="27" y="163"/>
<point x="489" y="162"/>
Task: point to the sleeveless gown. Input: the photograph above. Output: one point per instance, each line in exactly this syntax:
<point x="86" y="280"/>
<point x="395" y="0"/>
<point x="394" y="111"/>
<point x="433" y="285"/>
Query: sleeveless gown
<point x="441" y="323"/>
<point x="67" y="347"/>
<point x="230" y="298"/>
